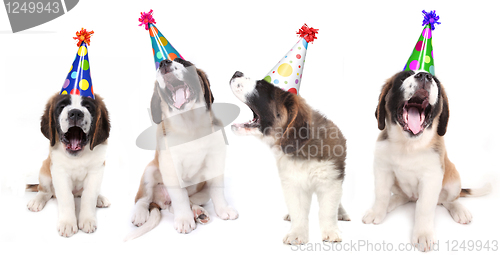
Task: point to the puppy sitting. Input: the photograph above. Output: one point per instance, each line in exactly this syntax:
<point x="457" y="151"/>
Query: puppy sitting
<point x="185" y="172"/>
<point x="410" y="156"/>
<point x="309" y="150"/>
<point x="78" y="128"/>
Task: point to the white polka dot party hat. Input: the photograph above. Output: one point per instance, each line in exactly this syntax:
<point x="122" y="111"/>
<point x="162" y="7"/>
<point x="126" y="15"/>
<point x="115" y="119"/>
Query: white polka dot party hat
<point x="287" y="73"/>
<point x="78" y="81"/>
<point x="162" y="48"/>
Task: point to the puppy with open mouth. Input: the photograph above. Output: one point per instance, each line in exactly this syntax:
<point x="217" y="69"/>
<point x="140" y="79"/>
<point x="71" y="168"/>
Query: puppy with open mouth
<point x="411" y="161"/>
<point x="177" y="86"/>
<point x="187" y="170"/>
<point x="77" y="125"/>
<point x="310" y="153"/>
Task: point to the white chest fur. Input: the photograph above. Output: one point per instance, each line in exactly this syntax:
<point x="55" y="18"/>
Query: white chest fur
<point x="409" y="167"/>
<point x="194" y="161"/>
<point x="307" y="173"/>
<point x="77" y="167"/>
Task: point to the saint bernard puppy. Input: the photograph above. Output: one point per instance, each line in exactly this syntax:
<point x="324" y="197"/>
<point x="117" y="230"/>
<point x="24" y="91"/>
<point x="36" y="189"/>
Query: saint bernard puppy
<point x="78" y="129"/>
<point x="410" y="156"/>
<point x="310" y="153"/>
<point x="181" y="106"/>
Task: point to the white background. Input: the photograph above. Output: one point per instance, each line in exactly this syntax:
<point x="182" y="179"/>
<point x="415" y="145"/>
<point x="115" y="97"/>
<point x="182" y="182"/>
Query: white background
<point x="360" y="44"/>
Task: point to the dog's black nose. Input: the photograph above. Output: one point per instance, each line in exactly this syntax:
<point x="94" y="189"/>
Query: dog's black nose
<point x="423" y="76"/>
<point x="75" y="114"/>
<point x="237" y="74"/>
<point x="165" y="62"/>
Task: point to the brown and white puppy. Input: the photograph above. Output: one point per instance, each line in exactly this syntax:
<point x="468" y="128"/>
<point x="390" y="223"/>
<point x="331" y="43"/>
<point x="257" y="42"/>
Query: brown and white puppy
<point x="78" y="128"/>
<point x="189" y="149"/>
<point x="310" y="153"/>
<point x="410" y="156"/>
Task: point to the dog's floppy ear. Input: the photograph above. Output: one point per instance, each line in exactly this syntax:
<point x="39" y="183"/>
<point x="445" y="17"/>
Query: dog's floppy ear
<point x="205" y="84"/>
<point x="156" y="105"/>
<point x="380" y="112"/>
<point x="101" y="126"/>
<point x="48" y="123"/>
<point x="445" y="114"/>
<point x="296" y="134"/>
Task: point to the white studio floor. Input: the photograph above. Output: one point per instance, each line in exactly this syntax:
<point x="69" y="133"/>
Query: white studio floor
<point x="261" y="206"/>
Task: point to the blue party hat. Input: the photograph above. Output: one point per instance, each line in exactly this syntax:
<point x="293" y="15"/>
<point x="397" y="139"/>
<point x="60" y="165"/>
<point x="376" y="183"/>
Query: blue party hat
<point x="78" y="81"/>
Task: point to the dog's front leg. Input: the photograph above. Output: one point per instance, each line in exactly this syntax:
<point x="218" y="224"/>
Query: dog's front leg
<point x="384" y="180"/>
<point x="87" y="220"/>
<point x="329" y="194"/>
<point x="181" y="206"/>
<point x="428" y="195"/>
<point x="222" y="208"/>
<point x="183" y="216"/>
<point x="63" y="187"/>
<point x="298" y="203"/>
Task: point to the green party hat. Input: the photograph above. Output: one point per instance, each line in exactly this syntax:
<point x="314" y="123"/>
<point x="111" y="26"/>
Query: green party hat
<point x="422" y="57"/>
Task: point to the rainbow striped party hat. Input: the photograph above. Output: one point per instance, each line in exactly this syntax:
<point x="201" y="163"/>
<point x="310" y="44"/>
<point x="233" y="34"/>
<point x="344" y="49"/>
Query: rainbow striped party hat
<point x="162" y="48"/>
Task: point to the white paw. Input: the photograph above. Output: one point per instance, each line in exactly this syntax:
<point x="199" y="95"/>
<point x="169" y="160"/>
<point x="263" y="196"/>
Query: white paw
<point x="200" y="214"/>
<point x="88" y="224"/>
<point x="67" y="228"/>
<point x="227" y="213"/>
<point x="461" y="215"/>
<point x="373" y="217"/>
<point x="102" y="202"/>
<point x="331" y="234"/>
<point x="141" y="215"/>
<point x="423" y="240"/>
<point x="287" y="217"/>
<point x="36" y="205"/>
<point x="344" y="217"/>
<point x="294" y="237"/>
<point x="184" y="224"/>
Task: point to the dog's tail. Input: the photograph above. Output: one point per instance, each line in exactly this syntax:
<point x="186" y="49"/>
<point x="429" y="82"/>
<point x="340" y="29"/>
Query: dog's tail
<point x="32" y="187"/>
<point x="485" y="190"/>
<point x="153" y="221"/>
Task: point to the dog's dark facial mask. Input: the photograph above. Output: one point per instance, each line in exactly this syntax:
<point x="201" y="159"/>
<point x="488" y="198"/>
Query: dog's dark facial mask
<point x="259" y="97"/>
<point x="76" y="121"/>
<point x="277" y="113"/>
<point x="413" y="102"/>
<point x="179" y="87"/>
<point x="179" y="83"/>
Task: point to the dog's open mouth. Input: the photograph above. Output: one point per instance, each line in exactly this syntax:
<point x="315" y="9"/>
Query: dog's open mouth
<point x="254" y="123"/>
<point x="74" y="140"/>
<point x="180" y="95"/>
<point x="179" y="90"/>
<point x="415" y="114"/>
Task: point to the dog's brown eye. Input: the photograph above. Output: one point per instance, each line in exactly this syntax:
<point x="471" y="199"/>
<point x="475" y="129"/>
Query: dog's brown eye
<point x="278" y="115"/>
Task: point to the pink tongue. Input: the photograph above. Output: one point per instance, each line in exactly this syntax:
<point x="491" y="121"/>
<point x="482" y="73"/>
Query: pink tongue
<point x="414" y="120"/>
<point x="74" y="144"/>
<point x="180" y="97"/>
